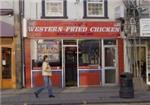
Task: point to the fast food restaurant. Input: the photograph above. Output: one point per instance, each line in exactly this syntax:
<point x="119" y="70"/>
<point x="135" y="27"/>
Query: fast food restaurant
<point x="81" y="53"/>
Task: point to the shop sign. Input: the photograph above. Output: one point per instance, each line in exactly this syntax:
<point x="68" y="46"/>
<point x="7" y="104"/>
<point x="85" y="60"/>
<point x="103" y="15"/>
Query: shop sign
<point x="44" y="28"/>
<point x="145" y="27"/>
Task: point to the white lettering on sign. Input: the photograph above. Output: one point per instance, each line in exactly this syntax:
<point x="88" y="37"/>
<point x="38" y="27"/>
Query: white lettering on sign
<point x="73" y="29"/>
<point x="104" y="29"/>
<point x="76" y="29"/>
<point x="45" y="29"/>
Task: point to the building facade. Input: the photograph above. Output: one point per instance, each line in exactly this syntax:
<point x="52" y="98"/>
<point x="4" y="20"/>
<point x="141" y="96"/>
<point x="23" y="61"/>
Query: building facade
<point x="9" y="45"/>
<point x="80" y="37"/>
<point x="137" y="38"/>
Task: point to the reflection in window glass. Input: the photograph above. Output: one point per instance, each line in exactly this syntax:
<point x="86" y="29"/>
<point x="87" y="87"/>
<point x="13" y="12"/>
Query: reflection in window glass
<point x="95" y="0"/>
<point x="69" y="42"/>
<point x="95" y="7"/>
<point x="54" y="7"/>
<point x="109" y="57"/>
<point x="89" y="52"/>
<point x="51" y="48"/>
<point x="110" y="76"/>
<point x="109" y="42"/>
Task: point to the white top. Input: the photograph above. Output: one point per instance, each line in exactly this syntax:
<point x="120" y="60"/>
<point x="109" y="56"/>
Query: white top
<point x="46" y="69"/>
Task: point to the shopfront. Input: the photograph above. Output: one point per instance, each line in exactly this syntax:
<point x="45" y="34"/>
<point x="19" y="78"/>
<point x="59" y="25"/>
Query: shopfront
<point x="81" y="53"/>
<point x="7" y="56"/>
<point x="148" y="65"/>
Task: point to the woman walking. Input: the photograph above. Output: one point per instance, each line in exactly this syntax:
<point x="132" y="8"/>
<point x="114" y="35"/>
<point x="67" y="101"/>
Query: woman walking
<point x="47" y="73"/>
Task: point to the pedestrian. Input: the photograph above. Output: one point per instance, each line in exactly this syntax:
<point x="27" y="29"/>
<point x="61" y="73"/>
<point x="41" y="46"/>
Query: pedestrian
<point x="47" y="73"/>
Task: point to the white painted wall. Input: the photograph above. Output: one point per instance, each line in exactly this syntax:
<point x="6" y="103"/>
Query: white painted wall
<point x="33" y="9"/>
<point x="6" y="4"/>
<point x="112" y="4"/>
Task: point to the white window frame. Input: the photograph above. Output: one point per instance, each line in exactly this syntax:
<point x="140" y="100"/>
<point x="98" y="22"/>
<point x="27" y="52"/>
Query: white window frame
<point x="95" y="2"/>
<point x="54" y="15"/>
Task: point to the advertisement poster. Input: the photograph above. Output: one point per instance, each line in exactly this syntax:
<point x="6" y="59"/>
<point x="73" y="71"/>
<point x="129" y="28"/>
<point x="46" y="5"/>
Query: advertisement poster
<point x="49" y="48"/>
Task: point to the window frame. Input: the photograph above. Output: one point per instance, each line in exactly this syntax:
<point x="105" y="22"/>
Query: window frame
<point x="64" y="6"/>
<point x="105" y="11"/>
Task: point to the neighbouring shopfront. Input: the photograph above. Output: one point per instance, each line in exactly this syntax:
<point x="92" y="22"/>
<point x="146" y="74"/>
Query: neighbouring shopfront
<point x="148" y="66"/>
<point x="7" y="56"/>
<point x="81" y="53"/>
<point x="145" y="37"/>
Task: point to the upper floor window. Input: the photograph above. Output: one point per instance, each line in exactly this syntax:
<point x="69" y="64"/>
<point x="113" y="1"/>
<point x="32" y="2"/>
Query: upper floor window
<point x="95" y="8"/>
<point x="54" y="9"/>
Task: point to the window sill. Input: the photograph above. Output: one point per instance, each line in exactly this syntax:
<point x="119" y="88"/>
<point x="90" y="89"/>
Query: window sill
<point x="85" y="17"/>
<point x="55" y="17"/>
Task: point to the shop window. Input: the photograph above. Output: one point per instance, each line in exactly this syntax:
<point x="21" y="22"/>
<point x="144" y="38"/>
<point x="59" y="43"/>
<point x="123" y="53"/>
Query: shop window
<point x="95" y="8"/>
<point x="54" y="9"/>
<point x="89" y="52"/>
<point x="109" y="57"/>
<point x="109" y="42"/>
<point x="69" y="42"/>
<point x="51" y="48"/>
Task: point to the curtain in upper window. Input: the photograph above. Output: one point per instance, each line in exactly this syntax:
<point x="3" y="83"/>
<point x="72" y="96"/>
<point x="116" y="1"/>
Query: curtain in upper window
<point x="95" y="8"/>
<point x="54" y="8"/>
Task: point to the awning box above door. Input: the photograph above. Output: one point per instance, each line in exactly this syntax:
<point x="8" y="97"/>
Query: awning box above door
<point x="6" y="30"/>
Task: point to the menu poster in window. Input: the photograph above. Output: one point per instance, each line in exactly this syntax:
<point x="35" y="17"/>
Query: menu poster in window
<point x="49" y="48"/>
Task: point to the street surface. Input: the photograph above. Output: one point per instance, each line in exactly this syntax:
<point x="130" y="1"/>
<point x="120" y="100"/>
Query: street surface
<point x="74" y="96"/>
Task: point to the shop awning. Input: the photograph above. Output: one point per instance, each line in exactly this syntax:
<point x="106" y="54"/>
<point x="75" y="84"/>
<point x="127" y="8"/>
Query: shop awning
<point x="6" y="30"/>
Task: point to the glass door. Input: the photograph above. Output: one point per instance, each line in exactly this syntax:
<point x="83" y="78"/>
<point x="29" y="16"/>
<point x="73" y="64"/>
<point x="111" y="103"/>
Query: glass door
<point x="6" y="67"/>
<point x="109" y="62"/>
<point x="70" y="66"/>
<point x="70" y="72"/>
<point x="6" y="63"/>
<point x="109" y="65"/>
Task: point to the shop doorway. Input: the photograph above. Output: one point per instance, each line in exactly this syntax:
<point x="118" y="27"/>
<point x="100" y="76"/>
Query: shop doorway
<point x="110" y="66"/>
<point x="70" y="65"/>
<point x="7" y="72"/>
<point x="139" y="61"/>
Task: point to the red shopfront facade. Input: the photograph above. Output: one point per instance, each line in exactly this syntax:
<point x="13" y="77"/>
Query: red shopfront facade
<point x="81" y="53"/>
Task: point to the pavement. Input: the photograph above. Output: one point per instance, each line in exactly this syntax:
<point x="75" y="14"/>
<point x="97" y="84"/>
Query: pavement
<point x="74" y="96"/>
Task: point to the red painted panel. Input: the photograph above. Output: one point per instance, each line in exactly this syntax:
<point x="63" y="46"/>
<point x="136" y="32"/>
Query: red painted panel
<point x="27" y="64"/>
<point x="56" y="79"/>
<point x="120" y="56"/>
<point x="89" y="78"/>
<point x="38" y="79"/>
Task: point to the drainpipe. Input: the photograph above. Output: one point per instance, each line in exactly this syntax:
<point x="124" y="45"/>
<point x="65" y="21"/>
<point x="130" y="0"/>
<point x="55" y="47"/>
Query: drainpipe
<point x="21" y="15"/>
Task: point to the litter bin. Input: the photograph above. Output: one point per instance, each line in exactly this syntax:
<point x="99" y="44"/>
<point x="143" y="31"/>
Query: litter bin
<point x="126" y="86"/>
